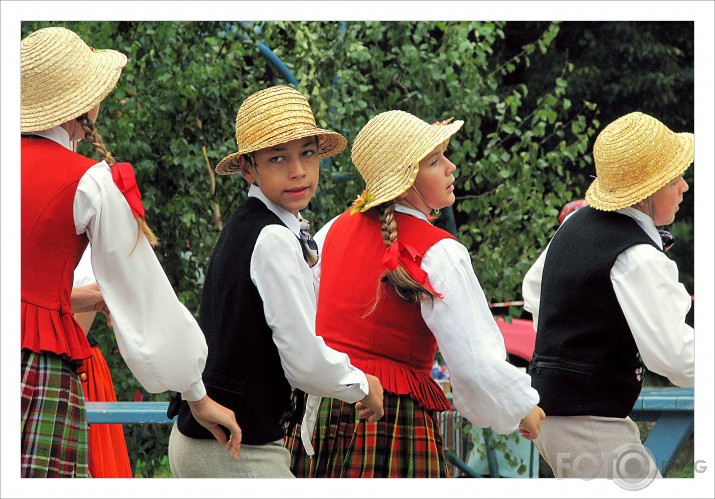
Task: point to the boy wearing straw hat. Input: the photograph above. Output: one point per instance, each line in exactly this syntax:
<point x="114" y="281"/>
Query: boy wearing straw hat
<point x="69" y="200"/>
<point x="393" y="288"/>
<point x="258" y="302"/>
<point x="606" y="300"/>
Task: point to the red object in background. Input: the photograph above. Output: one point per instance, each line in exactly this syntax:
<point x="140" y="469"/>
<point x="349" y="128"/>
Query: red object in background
<point x="519" y="337"/>
<point x="570" y="208"/>
<point x="108" y="456"/>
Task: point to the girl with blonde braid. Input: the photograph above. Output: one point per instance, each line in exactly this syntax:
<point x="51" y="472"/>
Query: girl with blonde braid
<point x="69" y="200"/>
<point x="406" y="288"/>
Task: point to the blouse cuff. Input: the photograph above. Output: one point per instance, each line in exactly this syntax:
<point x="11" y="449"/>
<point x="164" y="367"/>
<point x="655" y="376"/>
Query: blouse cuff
<point x="197" y="391"/>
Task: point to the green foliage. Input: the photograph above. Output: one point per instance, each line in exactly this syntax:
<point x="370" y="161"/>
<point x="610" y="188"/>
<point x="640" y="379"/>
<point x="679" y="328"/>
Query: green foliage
<point x="522" y="153"/>
<point x="623" y="67"/>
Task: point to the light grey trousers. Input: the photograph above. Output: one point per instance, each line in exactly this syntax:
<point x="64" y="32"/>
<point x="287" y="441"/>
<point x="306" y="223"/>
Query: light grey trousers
<point x="594" y="447"/>
<point x="207" y="458"/>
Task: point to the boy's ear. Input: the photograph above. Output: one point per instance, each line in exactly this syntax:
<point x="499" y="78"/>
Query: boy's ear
<point x="247" y="170"/>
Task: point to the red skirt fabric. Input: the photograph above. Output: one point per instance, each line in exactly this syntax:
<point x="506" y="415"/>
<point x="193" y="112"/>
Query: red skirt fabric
<point x="405" y="443"/>
<point x="108" y="455"/>
<point x="53" y="418"/>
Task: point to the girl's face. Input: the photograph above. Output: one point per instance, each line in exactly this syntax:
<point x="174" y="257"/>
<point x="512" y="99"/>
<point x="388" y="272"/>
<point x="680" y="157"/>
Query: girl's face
<point x="287" y="173"/>
<point x="664" y="203"/>
<point x="434" y="186"/>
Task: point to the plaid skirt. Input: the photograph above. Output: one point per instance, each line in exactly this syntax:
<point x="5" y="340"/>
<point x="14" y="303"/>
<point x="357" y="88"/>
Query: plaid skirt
<point x="405" y="443"/>
<point x="53" y="418"/>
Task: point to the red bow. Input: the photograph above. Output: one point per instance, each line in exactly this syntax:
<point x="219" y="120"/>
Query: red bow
<point x="408" y="257"/>
<point x="123" y="176"/>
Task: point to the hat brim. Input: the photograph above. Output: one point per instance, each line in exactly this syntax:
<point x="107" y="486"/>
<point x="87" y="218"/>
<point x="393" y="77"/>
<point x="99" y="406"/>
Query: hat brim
<point x="395" y="188"/>
<point x="617" y="199"/>
<point x="66" y="104"/>
<point x="329" y="144"/>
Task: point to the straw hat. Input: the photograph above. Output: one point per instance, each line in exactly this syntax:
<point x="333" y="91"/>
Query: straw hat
<point x="388" y="150"/>
<point x="273" y="116"/>
<point x="635" y="156"/>
<point x="63" y="78"/>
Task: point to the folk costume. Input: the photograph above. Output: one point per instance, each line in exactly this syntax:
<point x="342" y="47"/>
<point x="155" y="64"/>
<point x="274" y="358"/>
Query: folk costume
<point x="396" y="340"/>
<point x="67" y="201"/>
<point x="258" y="314"/>
<point x="606" y="301"/>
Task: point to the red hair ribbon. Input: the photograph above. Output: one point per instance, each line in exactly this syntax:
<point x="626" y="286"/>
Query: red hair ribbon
<point x="123" y="176"/>
<point x="404" y="254"/>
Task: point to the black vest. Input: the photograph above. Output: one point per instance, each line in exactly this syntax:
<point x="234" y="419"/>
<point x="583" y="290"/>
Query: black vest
<point x="586" y="360"/>
<point x="243" y="370"/>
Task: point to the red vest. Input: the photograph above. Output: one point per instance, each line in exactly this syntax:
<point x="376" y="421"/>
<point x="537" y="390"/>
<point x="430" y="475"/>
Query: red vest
<point x="50" y="249"/>
<point x="393" y="342"/>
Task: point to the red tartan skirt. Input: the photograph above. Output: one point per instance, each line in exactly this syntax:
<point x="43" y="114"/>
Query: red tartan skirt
<point x="405" y="443"/>
<point x="53" y="418"/>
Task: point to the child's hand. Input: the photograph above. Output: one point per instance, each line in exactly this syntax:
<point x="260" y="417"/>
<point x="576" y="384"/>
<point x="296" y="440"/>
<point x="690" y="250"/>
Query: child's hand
<point x="210" y="415"/>
<point x="531" y="424"/>
<point x="371" y="406"/>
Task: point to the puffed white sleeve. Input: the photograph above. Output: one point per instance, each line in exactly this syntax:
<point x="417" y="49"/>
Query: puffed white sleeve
<point x="487" y="390"/>
<point x="655" y="305"/>
<point x="158" y="337"/>
<point x="83" y="273"/>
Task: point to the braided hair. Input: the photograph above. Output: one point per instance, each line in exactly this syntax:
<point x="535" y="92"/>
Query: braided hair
<point x="406" y="287"/>
<point x="92" y="135"/>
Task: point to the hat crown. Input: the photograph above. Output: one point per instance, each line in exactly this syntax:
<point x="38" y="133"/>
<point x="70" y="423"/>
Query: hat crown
<point x="388" y="149"/>
<point x="633" y="148"/>
<point x="273" y="116"/>
<point x="56" y="54"/>
<point x="635" y="156"/>
<point x="62" y="77"/>
<point x="268" y="116"/>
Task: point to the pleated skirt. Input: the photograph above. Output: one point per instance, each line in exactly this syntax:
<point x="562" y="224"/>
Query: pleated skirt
<point x="405" y="443"/>
<point x="53" y="418"/>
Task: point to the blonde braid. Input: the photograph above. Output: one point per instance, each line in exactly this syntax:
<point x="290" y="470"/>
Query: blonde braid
<point x="92" y="135"/>
<point x="406" y="287"/>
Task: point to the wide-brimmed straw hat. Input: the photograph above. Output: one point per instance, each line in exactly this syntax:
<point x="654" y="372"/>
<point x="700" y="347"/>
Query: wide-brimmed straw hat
<point x="635" y="156"/>
<point x="63" y="78"/>
<point x="273" y="116"/>
<point x="388" y="150"/>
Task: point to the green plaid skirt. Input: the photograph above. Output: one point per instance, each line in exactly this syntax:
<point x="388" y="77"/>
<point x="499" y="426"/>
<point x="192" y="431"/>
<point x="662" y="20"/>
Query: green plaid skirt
<point x="405" y="443"/>
<point x="53" y="418"/>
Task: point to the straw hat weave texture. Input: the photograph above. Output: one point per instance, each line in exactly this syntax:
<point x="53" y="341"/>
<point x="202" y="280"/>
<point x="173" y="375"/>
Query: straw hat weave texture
<point x="63" y="78"/>
<point x="388" y="149"/>
<point x="275" y="116"/>
<point x="635" y="156"/>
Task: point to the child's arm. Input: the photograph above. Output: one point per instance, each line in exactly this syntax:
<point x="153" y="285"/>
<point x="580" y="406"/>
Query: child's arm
<point x="488" y="390"/>
<point x="285" y="284"/>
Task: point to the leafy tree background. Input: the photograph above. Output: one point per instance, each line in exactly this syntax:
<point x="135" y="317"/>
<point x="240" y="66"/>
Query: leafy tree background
<point x="533" y="96"/>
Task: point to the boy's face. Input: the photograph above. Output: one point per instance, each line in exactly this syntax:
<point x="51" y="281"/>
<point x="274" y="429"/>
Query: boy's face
<point x="665" y="201"/>
<point x="287" y="173"/>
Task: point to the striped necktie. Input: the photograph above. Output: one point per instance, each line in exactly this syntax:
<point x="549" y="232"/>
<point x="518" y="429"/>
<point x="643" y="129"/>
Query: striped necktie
<point x="310" y="247"/>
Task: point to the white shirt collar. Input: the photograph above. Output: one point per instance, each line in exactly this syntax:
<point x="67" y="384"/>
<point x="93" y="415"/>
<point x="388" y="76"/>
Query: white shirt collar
<point x="286" y="216"/>
<point x="401" y="208"/>
<point x="56" y="134"/>
<point x="645" y="222"/>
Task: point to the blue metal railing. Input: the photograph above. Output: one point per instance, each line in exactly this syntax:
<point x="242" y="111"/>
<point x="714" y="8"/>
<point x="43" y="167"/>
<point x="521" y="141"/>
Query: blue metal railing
<point x="670" y="408"/>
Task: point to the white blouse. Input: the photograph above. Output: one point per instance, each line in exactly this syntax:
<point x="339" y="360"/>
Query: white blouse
<point x="653" y="301"/>
<point x="157" y="336"/>
<point x="285" y="283"/>
<point x="486" y="389"/>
